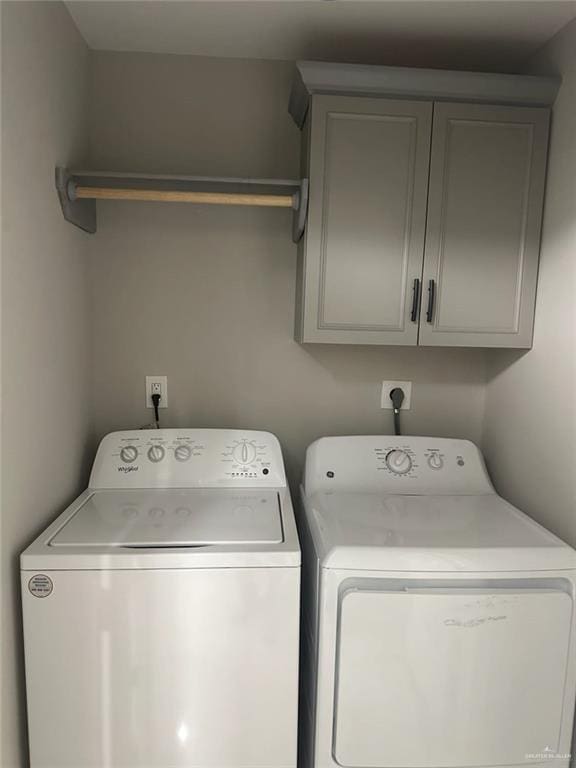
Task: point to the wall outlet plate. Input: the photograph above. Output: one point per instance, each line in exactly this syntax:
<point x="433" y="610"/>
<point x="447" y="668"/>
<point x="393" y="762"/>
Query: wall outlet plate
<point x="157" y="384"/>
<point x="388" y="386"/>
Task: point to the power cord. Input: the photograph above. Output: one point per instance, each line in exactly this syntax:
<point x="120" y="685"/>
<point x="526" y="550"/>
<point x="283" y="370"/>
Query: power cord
<point x="156" y="401"/>
<point x="397" y="397"/>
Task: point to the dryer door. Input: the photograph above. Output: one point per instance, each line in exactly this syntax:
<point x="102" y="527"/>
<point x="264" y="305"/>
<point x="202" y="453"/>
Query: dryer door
<point x="446" y="676"/>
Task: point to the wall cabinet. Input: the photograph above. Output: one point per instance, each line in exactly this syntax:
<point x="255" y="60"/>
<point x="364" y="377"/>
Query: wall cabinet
<point x="423" y="222"/>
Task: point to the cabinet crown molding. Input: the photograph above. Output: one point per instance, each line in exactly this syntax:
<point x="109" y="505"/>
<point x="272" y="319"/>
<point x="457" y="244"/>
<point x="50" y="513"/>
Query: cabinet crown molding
<point x="313" y="77"/>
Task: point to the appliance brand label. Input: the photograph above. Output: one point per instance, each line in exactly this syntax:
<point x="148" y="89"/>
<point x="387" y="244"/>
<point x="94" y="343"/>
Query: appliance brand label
<point x="40" y="585"/>
<point x="131" y="468"/>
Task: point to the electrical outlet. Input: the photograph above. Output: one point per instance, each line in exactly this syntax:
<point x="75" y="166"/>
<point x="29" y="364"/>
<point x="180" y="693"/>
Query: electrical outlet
<point x="157" y="385"/>
<point x="388" y="386"/>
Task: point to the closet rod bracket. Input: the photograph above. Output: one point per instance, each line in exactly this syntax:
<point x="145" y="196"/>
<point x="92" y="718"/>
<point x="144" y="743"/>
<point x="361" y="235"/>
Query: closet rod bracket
<point x="81" y="213"/>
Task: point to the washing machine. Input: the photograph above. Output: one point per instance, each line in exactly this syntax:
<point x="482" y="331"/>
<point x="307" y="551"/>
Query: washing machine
<point x="438" y="620"/>
<point x="161" y="609"/>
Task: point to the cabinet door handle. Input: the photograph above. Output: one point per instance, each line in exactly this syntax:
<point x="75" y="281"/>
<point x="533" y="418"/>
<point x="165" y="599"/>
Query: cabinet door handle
<point x="431" y="298"/>
<point x="415" y="297"/>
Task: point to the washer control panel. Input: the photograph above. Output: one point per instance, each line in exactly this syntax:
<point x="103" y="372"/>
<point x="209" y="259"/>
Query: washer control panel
<point x="188" y="458"/>
<point x="246" y="457"/>
<point x="409" y="465"/>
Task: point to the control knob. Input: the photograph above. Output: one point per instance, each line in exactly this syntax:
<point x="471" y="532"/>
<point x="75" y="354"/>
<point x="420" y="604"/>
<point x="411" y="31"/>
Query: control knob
<point x="182" y="452"/>
<point x="435" y="461"/>
<point x="245" y="453"/>
<point x="128" y="454"/>
<point x="156" y="453"/>
<point x="399" y="462"/>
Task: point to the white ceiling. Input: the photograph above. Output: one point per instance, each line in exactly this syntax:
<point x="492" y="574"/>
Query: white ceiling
<point x="484" y="34"/>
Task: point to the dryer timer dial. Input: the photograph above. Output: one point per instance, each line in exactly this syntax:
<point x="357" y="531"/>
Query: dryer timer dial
<point x="399" y="462"/>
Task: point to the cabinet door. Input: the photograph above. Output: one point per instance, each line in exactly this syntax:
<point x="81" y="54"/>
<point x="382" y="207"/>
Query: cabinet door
<point x="485" y="201"/>
<point x="364" y="243"/>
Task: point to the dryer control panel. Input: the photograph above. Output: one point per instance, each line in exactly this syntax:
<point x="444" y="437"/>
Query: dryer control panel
<point x="188" y="458"/>
<point x="388" y="464"/>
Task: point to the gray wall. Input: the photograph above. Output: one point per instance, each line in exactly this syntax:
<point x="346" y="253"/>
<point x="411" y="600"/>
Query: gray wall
<point x="46" y="354"/>
<point x="530" y="424"/>
<point x="205" y="295"/>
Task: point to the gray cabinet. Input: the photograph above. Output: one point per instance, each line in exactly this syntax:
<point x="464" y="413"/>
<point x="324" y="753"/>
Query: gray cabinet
<point x="421" y="231"/>
<point x="362" y="250"/>
<point x="483" y="228"/>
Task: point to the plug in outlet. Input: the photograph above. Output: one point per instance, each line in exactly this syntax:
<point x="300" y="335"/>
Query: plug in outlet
<point x="157" y="385"/>
<point x="388" y="386"/>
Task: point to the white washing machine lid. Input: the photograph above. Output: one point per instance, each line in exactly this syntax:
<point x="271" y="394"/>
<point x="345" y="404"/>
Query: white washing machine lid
<point x="173" y="518"/>
<point x="431" y="533"/>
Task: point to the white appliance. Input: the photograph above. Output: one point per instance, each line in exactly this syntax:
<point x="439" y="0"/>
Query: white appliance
<point x="161" y="609"/>
<point x="438" y="620"/>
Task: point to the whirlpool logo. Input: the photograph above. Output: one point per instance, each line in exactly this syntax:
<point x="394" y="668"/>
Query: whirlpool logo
<point x="128" y="469"/>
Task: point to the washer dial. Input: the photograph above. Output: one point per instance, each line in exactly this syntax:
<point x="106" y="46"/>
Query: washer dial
<point x="128" y="454"/>
<point x="244" y="453"/>
<point x="182" y="452"/>
<point x="399" y="462"/>
<point x="156" y="453"/>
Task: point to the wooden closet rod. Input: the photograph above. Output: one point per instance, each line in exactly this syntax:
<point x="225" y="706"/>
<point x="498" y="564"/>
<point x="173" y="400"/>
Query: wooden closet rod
<point x="174" y="196"/>
<point x="78" y="192"/>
